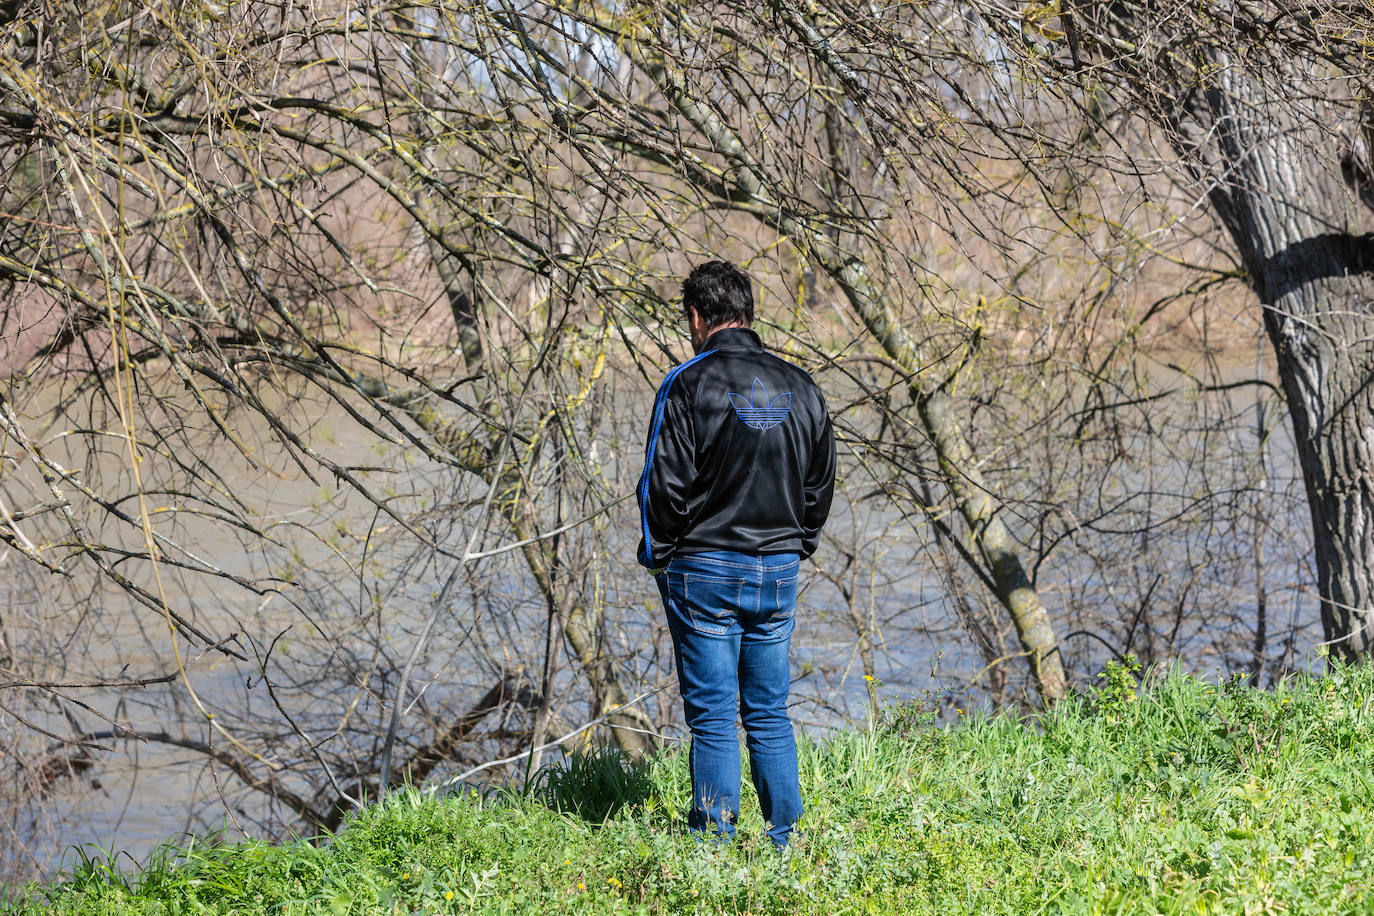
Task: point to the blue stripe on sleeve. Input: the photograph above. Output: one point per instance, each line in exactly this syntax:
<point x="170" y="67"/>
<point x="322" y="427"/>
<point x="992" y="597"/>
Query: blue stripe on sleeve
<point x="646" y="558"/>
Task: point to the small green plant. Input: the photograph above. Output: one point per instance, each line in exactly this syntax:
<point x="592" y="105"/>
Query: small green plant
<point x="909" y="719"/>
<point x="1117" y="693"/>
<point x="592" y="783"/>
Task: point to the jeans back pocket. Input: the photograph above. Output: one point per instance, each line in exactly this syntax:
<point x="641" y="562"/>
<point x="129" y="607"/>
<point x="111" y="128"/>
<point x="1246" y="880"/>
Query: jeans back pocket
<point x="785" y="595"/>
<point x="713" y="602"/>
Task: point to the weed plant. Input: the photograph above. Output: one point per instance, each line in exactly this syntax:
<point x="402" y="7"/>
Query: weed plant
<point x="592" y="784"/>
<point x="1184" y="797"/>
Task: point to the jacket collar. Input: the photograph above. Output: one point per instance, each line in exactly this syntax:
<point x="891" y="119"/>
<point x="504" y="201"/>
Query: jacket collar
<point x="732" y="339"/>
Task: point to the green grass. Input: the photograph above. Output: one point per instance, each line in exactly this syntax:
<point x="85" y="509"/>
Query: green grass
<point x="1191" y="798"/>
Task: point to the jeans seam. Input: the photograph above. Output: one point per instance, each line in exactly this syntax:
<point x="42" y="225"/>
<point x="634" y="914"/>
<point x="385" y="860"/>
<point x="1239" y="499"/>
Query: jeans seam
<point x="778" y="586"/>
<point x="729" y="563"/>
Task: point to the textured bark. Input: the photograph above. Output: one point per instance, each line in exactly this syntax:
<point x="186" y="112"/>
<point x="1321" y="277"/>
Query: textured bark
<point x="1302" y="235"/>
<point x="460" y="303"/>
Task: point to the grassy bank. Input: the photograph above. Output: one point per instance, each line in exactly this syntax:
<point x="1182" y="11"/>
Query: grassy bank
<point x="1190" y="798"/>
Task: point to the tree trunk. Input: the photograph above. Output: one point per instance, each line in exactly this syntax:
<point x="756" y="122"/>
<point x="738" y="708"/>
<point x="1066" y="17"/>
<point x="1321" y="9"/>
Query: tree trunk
<point x="1321" y="332"/>
<point x="1298" y="228"/>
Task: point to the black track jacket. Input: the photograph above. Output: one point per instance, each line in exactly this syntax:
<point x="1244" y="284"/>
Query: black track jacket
<point x="740" y="456"/>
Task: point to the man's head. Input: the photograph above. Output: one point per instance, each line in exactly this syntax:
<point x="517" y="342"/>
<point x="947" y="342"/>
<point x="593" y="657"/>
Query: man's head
<point x="716" y="295"/>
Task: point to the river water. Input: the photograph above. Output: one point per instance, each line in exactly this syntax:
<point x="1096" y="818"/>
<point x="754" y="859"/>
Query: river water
<point x="326" y="536"/>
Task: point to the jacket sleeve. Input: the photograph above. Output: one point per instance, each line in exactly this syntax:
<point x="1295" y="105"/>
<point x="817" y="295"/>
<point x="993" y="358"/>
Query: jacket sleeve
<point x="669" y="475"/>
<point x="818" y="485"/>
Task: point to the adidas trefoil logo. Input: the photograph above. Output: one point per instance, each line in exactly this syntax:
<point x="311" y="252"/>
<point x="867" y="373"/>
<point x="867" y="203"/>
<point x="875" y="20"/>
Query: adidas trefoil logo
<point x="758" y="411"/>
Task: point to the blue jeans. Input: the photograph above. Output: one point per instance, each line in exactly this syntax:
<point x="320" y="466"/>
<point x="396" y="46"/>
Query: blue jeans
<point x="732" y="616"/>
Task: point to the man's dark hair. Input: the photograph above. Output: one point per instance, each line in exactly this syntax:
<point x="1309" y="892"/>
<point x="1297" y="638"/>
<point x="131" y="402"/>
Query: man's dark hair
<point x="720" y="293"/>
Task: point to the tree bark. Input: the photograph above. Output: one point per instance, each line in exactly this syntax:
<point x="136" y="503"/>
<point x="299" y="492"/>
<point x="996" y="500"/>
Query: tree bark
<point x="1301" y="233"/>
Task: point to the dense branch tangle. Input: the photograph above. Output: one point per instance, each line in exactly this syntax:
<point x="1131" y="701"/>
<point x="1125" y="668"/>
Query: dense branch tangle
<point x="215" y="172"/>
<point x="221" y="204"/>
<point x="458" y="225"/>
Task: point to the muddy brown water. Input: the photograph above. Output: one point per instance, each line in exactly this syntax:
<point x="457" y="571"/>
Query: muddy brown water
<point x="140" y="794"/>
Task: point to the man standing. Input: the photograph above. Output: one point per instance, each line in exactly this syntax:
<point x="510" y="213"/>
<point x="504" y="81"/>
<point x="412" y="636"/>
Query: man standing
<point x="739" y="471"/>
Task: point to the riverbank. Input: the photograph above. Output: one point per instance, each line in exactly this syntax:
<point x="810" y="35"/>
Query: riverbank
<point x="1189" y="797"/>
